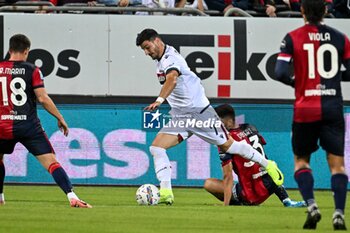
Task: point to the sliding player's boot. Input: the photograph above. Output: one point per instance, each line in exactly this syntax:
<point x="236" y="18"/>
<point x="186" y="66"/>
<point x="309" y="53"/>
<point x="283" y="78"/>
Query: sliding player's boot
<point x="274" y="172"/>
<point x="293" y="204"/>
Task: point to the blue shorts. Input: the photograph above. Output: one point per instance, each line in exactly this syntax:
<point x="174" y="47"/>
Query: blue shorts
<point x="33" y="138"/>
<point x="330" y="134"/>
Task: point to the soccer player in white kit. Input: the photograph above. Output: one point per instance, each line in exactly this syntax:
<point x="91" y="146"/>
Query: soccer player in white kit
<point x="185" y="94"/>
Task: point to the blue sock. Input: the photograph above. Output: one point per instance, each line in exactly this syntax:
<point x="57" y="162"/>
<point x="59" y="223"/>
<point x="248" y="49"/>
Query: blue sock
<point x="61" y="178"/>
<point x="339" y="184"/>
<point x="305" y="182"/>
<point x="2" y="176"/>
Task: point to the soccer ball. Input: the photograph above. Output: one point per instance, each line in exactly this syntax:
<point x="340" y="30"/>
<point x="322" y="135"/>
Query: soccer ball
<point x="147" y="194"/>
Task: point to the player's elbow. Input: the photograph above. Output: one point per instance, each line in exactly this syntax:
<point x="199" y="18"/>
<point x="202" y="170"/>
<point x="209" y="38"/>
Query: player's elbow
<point x="42" y="99"/>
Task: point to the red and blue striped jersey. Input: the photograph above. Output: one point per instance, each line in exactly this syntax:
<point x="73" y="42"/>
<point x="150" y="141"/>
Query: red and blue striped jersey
<point x="317" y="52"/>
<point x="17" y="98"/>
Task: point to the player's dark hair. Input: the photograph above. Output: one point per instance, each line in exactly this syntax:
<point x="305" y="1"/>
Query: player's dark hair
<point x="19" y="43"/>
<point x="314" y="10"/>
<point x="147" y="34"/>
<point x="225" y="110"/>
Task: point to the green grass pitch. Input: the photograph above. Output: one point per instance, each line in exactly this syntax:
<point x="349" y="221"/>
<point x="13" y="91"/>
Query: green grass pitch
<point x="45" y="209"/>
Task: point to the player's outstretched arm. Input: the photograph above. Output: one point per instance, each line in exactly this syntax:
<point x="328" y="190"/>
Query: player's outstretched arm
<point x="228" y="183"/>
<point x="49" y="106"/>
<point x="166" y="90"/>
<point x="282" y="73"/>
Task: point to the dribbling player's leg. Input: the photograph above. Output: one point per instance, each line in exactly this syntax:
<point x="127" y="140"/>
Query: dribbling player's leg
<point x="245" y="150"/>
<point x="2" y="178"/>
<point x="162" y="164"/>
<point x="49" y="162"/>
<point x="339" y="182"/>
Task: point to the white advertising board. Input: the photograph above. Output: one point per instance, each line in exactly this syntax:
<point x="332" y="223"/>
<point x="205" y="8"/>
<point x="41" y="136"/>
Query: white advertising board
<point x="97" y="54"/>
<point x="71" y="50"/>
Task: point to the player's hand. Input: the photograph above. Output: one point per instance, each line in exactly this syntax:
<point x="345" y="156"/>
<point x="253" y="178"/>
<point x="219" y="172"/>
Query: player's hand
<point x="62" y="125"/>
<point x="152" y="106"/>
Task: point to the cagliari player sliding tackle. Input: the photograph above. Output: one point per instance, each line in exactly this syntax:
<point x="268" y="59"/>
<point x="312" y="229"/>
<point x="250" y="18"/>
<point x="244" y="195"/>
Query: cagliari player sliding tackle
<point x="317" y="52"/>
<point x="183" y="90"/>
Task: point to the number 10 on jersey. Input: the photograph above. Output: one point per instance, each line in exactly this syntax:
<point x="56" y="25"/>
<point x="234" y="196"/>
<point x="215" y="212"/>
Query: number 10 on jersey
<point x="320" y="53"/>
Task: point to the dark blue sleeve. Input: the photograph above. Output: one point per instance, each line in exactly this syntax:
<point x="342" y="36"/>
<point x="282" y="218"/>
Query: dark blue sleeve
<point x="284" y="60"/>
<point x="282" y="73"/>
<point x="225" y="157"/>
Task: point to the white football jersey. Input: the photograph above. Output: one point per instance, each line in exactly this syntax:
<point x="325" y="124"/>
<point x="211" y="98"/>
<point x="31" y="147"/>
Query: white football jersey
<point x="188" y="92"/>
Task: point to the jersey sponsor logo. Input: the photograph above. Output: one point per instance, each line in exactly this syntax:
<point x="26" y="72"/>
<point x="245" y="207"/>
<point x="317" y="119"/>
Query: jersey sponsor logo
<point x="320" y="90"/>
<point x="14" y="117"/>
<point x="317" y="92"/>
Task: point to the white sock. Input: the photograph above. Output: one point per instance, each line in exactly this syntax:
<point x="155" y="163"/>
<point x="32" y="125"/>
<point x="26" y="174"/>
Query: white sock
<point x="72" y="195"/>
<point x="165" y="184"/>
<point x="2" y="197"/>
<point x="162" y="166"/>
<point x="248" y="152"/>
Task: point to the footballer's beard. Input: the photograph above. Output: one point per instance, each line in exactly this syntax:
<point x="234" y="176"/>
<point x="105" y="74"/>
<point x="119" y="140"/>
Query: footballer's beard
<point x="155" y="55"/>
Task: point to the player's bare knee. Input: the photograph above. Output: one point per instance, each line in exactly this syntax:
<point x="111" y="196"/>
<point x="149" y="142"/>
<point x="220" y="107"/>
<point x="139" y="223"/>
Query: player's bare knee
<point x="299" y="166"/>
<point x="337" y="169"/>
<point x="208" y="184"/>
